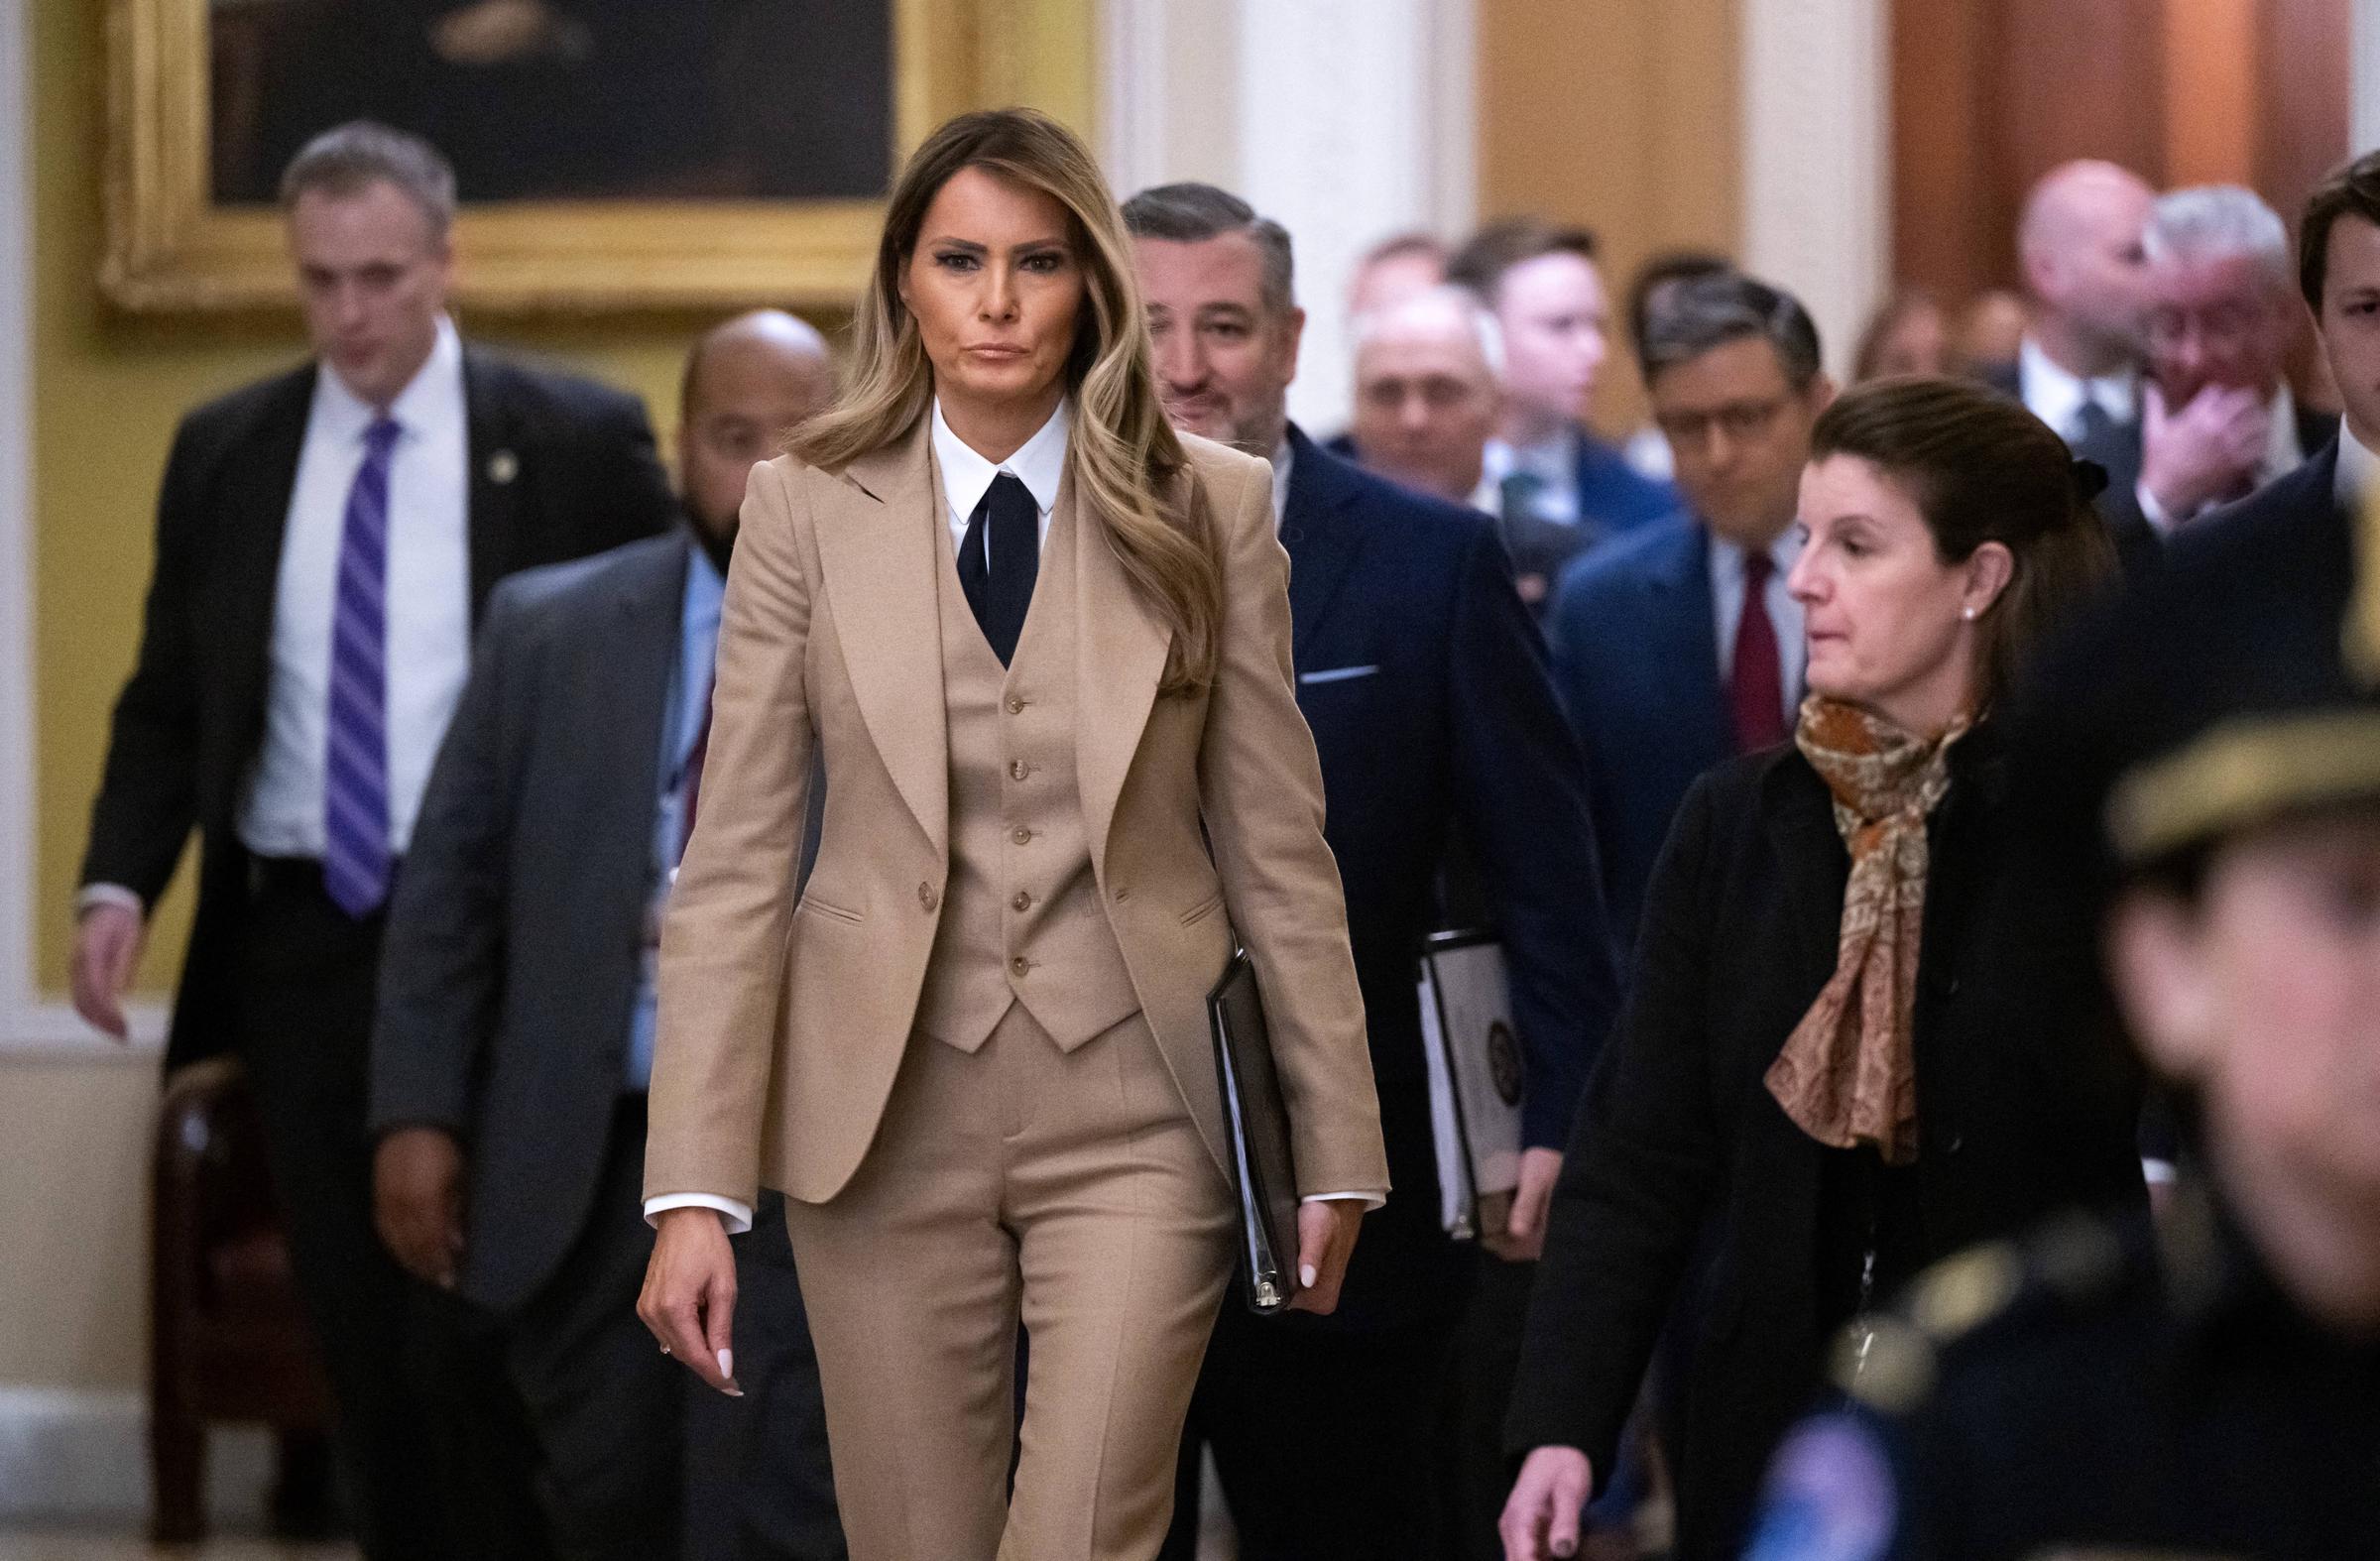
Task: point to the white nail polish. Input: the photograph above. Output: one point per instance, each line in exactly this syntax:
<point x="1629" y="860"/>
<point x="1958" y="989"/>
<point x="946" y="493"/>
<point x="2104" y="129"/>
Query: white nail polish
<point x="727" y="1365"/>
<point x="1305" y="1276"/>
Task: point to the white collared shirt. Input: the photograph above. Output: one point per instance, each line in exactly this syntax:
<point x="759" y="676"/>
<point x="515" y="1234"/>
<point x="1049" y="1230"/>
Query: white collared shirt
<point x="1039" y="463"/>
<point x="1784" y="613"/>
<point x="1283" y="456"/>
<point x="1555" y="465"/>
<point x="2358" y="468"/>
<point x="429" y="601"/>
<point x="2057" y="395"/>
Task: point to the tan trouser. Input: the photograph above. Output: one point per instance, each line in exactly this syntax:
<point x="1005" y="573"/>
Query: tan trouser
<point x="1069" y="1189"/>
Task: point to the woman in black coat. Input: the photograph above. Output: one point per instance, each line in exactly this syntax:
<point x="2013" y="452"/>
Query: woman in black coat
<point x="1814" y="1083"/>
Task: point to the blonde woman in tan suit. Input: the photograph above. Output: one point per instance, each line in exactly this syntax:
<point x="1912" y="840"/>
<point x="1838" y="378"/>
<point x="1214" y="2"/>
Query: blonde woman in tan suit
<point x="1036" y="640"/>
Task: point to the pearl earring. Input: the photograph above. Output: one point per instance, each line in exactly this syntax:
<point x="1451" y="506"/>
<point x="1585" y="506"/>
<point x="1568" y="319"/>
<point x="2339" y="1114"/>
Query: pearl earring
<point x="1968" y="615"/>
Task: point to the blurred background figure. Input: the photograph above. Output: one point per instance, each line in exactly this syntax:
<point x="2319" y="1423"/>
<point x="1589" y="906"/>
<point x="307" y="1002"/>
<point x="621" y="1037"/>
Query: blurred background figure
<point x="1393" y="270"/>
<point x="515" y="1038"/>
<point x="2219" y="417"/>
<point x="1991" y="334"/>
<point x="1646" y="451"/>
<point x="1428" y="395"/>
<point x="1560" y="488"/>
<point x="1909" y="334"/>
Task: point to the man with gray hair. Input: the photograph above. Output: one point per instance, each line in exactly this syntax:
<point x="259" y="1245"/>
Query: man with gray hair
<point x="325" y="539"/>
<point x="2217" y="417"/>
<point x="1426" y="690"/>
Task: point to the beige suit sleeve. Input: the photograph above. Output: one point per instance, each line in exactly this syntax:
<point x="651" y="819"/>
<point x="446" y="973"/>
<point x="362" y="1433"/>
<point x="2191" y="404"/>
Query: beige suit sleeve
<point x="724" y="939"/>
<point x="1260" y="789"/>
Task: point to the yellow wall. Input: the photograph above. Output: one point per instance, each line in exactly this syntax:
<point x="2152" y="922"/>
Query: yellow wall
<point x="1620" y="115"/>
<point x="108" y="391"/>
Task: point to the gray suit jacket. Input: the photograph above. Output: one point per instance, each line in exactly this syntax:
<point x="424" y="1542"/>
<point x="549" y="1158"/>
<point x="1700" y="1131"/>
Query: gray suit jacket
<point x="509" y="979"/>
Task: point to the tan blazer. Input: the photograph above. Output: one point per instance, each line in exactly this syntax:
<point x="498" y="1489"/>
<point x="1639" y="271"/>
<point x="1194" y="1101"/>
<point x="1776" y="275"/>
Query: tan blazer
<point x="782" y="1026"/>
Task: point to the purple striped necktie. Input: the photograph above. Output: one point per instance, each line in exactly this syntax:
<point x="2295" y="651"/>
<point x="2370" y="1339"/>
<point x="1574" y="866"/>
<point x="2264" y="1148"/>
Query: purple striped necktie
<point x="355" y="789"/>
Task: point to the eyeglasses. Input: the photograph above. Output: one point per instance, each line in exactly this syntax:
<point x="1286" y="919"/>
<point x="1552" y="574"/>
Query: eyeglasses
<point x="1738" y="420"/>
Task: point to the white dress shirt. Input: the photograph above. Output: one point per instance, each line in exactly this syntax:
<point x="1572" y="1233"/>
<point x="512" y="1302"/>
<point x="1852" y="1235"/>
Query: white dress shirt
<point x="2358" y="468"/>
<point x="1555" y="465"/>
<point x="429" y="601"/>
<point x="1282" y="458"/>
<point x="1784" y="613"/>
<point x="1039" y="463"/>
<point x="2057" y="395"/>
<point x="428" y="611"/>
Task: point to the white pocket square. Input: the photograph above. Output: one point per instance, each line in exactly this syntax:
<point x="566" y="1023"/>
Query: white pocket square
<point x="1337" y="674"/>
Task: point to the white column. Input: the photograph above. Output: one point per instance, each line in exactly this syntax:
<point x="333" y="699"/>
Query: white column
<point x="1344" y="120"/>
<point x="1817" y="157"/>
<point x="2363" y="84"/>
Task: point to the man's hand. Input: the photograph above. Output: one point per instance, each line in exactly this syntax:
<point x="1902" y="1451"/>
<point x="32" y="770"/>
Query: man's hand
<point x="1326" y="1239"/>
<point x="417" y="1201"/>
<point x="689" y="1296"/>
<point x="1522" y="1240"/>
<point x="107" y="948"/>
<point x="2208" y="448"/>
<point x="1542" y="1518"/>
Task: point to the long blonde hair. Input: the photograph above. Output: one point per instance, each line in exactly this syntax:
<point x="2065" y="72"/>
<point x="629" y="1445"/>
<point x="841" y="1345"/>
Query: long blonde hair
<point x="1123" y="452"/>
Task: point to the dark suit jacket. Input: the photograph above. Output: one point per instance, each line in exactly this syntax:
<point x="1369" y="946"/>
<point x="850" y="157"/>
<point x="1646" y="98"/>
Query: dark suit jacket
<point x="508" y="975"/>
<point x="1615" y="495"/>
<point x="1679" y="1136"/>
<point x="1425" y="686"/>
<point x="580" y="477"/>
<point x="1634" y="644"/>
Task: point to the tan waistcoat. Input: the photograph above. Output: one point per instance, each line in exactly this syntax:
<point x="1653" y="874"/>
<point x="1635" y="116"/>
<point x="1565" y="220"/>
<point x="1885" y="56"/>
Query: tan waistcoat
<point x="1021" y="918"/>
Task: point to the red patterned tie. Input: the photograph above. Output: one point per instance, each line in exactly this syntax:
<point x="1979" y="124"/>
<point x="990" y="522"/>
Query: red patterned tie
<point x="1756" y="684"/>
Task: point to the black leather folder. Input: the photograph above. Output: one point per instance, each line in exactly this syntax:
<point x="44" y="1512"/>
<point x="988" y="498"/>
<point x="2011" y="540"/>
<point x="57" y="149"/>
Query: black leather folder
<point x="1257" y="1122"/>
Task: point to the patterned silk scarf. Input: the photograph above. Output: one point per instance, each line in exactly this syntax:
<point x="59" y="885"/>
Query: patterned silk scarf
<point x="1849" y="1072"/>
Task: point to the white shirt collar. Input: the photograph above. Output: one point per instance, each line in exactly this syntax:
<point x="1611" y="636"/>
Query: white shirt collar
<point x="1039" y="463"/>
<point x="2056" y="395"/>
<point x="1281" y="459"/>
<point x="2282" y="451"/>
<point x="430" y="400"/>
<point x="2358" y="467"/>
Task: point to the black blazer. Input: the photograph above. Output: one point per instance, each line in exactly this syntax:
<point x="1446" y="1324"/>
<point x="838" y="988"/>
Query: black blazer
<point x="1679" y="1137"/>
<point x="559" y="467"/>
<point x="508" y="975"/>
<point x="1425" y="686"/>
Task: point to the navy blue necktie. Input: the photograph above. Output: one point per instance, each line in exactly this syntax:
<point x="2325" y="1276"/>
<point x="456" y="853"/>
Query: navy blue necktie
<point x="999" y="561"/>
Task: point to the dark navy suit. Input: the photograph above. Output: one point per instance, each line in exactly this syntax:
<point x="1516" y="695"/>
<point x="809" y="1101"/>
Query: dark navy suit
<point x="1426" y="687"/>
<point x="1634" y="641"/>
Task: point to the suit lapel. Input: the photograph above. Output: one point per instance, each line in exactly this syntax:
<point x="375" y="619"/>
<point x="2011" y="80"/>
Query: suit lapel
<point x="1686" y="629"/>
<point x="255" y="518"/>
<point x="1120" y="648"/>
<point x="879" y="560"/>
<point x="1321" y="539"/>
<point x="627" y="691"/>
<point x="496" y="477"/>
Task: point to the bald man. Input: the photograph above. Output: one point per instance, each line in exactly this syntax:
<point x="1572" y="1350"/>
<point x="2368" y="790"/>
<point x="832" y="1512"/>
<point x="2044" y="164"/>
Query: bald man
<point x="1428" y="395"/>
<point x="515" y="1016"/>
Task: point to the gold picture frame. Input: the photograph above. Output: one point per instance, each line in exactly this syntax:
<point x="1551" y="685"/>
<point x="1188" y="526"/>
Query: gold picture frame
<point x="169" y="249"/>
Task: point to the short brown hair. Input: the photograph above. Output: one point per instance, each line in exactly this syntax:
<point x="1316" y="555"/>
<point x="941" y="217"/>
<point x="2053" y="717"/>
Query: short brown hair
<point x="2351" y="191"/>
<point x="1484" y="258"/>
<point x="344" y="159"/>
<point x="1983" y="469"/>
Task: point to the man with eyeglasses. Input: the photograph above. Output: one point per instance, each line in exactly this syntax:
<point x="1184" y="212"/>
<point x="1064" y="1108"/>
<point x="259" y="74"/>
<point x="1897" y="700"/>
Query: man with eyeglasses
<point x="2217" y="420"/>
<point x="1677" y="646"/>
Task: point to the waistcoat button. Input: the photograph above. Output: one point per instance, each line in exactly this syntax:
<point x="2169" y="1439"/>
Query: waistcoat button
<point x="1015" y="705"/>
<point x="1023" y="836"/>
<point x="926" y="895"/>
<point x="1018" y="769"/>
<point x="1020" y="965"/>
<point x="1022" y="902"/>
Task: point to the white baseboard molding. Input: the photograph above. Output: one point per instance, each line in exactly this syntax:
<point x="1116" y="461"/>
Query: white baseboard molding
<point x="82" y="1454"/>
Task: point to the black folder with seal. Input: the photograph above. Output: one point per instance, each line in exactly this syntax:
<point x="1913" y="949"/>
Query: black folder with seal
<point x="1256" y="1121"/>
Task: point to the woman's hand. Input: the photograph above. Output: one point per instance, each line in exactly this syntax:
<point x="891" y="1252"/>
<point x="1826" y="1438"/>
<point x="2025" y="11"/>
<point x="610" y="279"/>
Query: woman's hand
<point x="689" y="1296"/>
<point x="1548" y="1502"/>
<point x="1326" y="1239"/>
